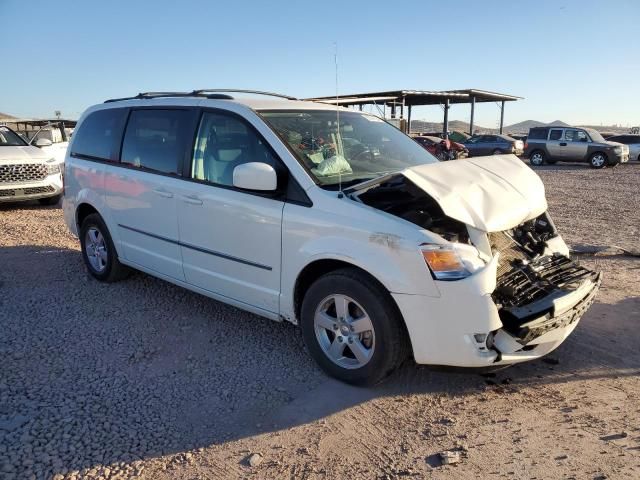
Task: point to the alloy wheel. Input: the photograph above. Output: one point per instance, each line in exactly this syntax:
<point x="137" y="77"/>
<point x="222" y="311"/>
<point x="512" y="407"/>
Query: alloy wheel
<point x="344" y="331"/>
<point x="598" y="160"/>
<point x="96" y="249"/>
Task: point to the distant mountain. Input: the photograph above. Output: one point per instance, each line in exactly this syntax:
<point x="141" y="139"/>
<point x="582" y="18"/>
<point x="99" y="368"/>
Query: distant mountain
<point x="6" y="115"/>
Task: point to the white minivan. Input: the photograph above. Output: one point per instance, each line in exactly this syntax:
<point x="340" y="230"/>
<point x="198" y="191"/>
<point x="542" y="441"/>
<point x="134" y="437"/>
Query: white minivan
<point x="328" y="218"/>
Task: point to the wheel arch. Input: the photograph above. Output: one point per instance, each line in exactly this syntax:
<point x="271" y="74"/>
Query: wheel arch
<point x="317" y="268"/>
<point x="83" y="210"/>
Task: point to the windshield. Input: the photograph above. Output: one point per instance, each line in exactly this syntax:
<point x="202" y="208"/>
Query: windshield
<point x="358" y="148"/>
<point x="595" y="135"/>
<point x="9" y="138"/>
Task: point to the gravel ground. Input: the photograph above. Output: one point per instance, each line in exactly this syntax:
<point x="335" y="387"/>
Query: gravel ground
<point x="143" y="379"/>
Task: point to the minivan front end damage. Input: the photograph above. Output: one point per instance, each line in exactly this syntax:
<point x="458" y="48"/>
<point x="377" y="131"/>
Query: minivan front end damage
<point x="522" y="294"/>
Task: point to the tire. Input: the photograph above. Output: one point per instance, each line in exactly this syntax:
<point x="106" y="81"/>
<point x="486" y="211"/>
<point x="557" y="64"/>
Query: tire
<point x="551" y="162"/>
<point x="497" y="151"/>
<point x="598" y="160"/>
<point x="369" y="343"/>
<point x="95" y="238"/>
<point x="50" y="200"/>
<point x="537" y="158"/>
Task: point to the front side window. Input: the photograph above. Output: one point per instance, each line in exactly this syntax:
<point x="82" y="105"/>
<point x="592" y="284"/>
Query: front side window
<point x="224" y="142"/>
<point x="98" y="134"/>
<point x="575" y="136"/>
<point x="9" y="138"/>
<point x="555" y="135"/>
<point x="346" y="147"/>
<point x="156" y="139"/>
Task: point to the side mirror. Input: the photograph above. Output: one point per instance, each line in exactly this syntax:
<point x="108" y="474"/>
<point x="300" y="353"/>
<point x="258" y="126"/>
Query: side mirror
<point x="43" y="142"/>
<point x="585" y="140"/>
<point x="255" y="176"/>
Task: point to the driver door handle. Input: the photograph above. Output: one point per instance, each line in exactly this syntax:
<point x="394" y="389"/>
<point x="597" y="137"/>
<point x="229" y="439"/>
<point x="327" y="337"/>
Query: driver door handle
<point x="192" y="199"/>
<point x="563" y="144"/>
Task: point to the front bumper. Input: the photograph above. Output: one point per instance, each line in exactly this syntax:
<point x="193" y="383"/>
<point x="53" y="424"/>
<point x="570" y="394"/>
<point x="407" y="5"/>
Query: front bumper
<point x="50" y="186"/>
<point x="467" y="327"/>
<point x="620" y="158"/>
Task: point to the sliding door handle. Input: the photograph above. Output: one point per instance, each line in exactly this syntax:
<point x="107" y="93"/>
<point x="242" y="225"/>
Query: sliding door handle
<point x="191" y="199"/>
<point x="163" y="193"/>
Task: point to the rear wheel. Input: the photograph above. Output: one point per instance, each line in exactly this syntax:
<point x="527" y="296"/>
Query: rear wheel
<point x="352" y="327"/>
<point x="50" y="200"/>
<point x="98" y="251"/>
<point x="537" y="158"/>
<point x="598" y="160"/>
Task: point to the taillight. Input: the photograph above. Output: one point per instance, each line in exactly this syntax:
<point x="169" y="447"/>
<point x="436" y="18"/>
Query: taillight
<point x="526" y="145"/>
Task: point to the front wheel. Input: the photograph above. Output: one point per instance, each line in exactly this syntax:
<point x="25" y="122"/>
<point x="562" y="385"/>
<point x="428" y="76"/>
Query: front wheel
<point x="598" y="160"/>
<point x="352" y="327"/>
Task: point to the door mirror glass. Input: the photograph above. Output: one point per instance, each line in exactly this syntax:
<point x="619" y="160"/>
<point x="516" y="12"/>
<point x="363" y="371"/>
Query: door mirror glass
<point x="43" y="142"/>
<point x="255" y="176"/>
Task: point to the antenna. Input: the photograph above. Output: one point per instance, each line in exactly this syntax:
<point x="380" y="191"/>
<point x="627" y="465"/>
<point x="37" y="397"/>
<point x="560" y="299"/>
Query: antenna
<point x="335" y="61"/>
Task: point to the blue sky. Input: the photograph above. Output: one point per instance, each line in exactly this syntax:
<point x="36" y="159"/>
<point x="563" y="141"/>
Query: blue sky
<point x="578" y="61"/>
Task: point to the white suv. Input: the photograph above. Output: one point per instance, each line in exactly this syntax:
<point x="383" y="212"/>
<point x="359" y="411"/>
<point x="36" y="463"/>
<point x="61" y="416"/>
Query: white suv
<point x="26" y="172"/>
<point x="328" y="218"/>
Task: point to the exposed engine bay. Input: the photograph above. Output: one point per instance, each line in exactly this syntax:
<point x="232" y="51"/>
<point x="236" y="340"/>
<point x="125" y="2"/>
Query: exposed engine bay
<point x="402" y="198"/>
<point x="531" y="280"/>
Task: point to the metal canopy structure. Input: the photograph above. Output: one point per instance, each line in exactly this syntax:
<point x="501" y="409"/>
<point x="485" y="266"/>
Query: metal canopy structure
<point x="409" y="98"/>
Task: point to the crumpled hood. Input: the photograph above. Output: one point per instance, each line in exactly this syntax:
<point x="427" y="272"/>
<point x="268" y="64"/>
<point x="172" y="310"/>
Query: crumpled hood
<point x="489" y="193"/>
<point x="22" y="153"/>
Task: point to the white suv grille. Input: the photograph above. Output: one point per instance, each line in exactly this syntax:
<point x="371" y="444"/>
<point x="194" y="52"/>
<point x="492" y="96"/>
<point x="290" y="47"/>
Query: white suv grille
<point x="22" y="172"/>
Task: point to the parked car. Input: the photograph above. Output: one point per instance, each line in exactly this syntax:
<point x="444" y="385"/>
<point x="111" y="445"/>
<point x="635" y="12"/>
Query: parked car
<point x="479" y="145"/>
<point x="630" y="140"/>
<point x="26" y="172"/>
<point x="334" y="221"/>
<point x="522" y="138"/>
<point x="571" y="144"/>
<point x="442" y="149"/>
<point x="455" y="135"/>
<point x="53" y="139"/>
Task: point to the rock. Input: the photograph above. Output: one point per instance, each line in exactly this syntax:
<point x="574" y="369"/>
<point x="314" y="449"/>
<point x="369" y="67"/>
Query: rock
<point x="255" y="459"/>
<point x="450" y="457"/>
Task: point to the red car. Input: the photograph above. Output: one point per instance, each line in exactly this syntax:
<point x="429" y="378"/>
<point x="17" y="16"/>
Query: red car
<point x="442" y="149"/>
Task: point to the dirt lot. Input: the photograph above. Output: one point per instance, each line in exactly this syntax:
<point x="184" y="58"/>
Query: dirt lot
<point x="143" y="379"/>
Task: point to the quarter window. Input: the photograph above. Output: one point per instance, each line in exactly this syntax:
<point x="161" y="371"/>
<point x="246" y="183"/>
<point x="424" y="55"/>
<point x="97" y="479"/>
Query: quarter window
<point x="156" y="139"/>
<point x="555" y="135"/>
<point x="223" y="143"/>
<point x="99" y="133"/>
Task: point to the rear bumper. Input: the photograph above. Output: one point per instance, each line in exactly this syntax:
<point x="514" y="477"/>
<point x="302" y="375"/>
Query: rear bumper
<point x="465" y="327"/>
<point x="50" y="186"/>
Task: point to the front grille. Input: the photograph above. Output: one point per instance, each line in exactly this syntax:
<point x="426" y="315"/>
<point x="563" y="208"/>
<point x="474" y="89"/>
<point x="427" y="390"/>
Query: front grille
<point x="12" y="192"/>
<point x="22" y="172"/>
<point x="527" y="282"/>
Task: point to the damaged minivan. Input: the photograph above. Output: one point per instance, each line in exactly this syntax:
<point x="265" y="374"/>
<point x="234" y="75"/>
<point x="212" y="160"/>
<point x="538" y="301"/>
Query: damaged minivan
<point x="328" y="218"/>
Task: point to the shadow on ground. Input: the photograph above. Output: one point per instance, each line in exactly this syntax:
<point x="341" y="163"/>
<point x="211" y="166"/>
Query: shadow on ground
<point x="95" y="374"/>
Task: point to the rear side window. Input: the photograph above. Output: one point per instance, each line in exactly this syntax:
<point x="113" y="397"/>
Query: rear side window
<point x="555" y="135"/>
<point x="99" y="134"/>
<point x="538" y="134"/>
<point x="156" y="139"/>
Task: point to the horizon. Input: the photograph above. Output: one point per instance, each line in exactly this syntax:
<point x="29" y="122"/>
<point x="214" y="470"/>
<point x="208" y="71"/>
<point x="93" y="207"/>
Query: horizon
<point x="567" y="74"/>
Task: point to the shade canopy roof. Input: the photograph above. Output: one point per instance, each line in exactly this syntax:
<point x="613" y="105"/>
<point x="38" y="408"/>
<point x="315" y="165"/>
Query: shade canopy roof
<point x="417" y="97"/>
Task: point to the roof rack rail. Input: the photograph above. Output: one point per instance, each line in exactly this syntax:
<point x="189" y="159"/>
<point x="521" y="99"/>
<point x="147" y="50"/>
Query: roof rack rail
<point x="233" y="90"/>
<point x="150" y="95"/>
